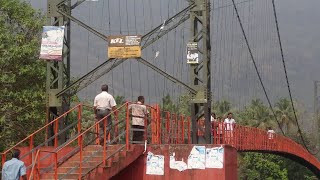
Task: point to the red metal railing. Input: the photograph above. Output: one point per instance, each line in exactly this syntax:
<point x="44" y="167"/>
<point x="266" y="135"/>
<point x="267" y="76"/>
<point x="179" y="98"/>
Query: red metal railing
<point x="161" y="127"/>
<point x="30" y="139"/>
<point x="253" y="139"/>
<point x="156" y="132"/>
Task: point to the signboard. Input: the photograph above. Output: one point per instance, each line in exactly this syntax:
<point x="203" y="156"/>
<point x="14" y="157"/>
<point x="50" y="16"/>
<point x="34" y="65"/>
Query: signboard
<point x="192" y="53"/>
<point x="52" y="43"/>
<point x="214" y="157"/>
<point x="124" y="46"/>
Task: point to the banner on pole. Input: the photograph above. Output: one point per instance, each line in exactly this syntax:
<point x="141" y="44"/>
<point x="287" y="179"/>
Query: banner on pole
<point x="52" y="43"/>
<point x="124" y="46"/>
<point x="192" y="53"/>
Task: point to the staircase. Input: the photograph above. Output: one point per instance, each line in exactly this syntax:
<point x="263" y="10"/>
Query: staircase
<point x="80" y="157"/>
<point x="92" y="167"/>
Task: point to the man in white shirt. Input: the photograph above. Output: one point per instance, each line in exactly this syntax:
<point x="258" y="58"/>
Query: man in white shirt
<point x="103" y="104"/>
<point x="14" y="168"/>
<point x="213" y="117"/>
<point x="139" y="114"/>
<point x="229" y="124"/>
<point x="270" y="133"/>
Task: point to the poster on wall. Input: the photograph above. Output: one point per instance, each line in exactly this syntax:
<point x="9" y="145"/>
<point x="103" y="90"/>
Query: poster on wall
<point x="192" y="53"/>
<point x="214" y="157"/>
<point x="197" y="158"/>
<point x="155" y="164"/>
<point x="52" y="43"/>
<point x="124" y="46"/>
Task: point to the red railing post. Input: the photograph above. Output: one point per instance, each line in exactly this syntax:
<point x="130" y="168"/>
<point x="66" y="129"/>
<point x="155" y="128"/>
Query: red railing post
<point x="145" y="128"/>
<point x="127" y="126"/>
<point x="3" y="157"/>
<point x="80" y="158"/>
<point x="182" y="133"/>
<point x="30" y="149"/>
<point x="104" y="140"/>
<point x="79" y="120"/>
<point x="56" y="127"/>
<point x="116" y="127"/>
<point x="55" y="166"/>
<point x="38" y="164"/>
<point x="167" y="127"/>
<point x="189" y="130"/>
<point x="159" y="123"/>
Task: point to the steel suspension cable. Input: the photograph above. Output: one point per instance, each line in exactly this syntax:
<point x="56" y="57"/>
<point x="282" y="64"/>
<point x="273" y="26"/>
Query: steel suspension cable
<point x="287" y="80"/>
<point x="255" y="66"/>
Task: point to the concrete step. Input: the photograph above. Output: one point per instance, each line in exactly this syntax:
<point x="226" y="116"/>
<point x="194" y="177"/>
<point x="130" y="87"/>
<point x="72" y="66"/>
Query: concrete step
<point x="63" y="176"/>
<point x="64" y="170"/>
<point x="88" y="163"/>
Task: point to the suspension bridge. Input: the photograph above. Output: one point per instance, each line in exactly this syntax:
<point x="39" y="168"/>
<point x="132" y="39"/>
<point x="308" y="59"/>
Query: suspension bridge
<point x="240" y="58"/>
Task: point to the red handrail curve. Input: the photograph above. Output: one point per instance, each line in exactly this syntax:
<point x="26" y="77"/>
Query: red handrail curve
<point x="37" y="131"/>
<point x="246" y="139"/>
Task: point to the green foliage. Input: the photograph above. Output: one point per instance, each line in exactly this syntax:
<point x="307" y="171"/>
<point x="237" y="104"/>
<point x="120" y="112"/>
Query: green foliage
<point x="285" y="114"/>
<point x="257" y="115"/>
<point x="181" y="107"/>
<point x="22" y="76"/>
<point x="221" y="108"/>
<point x="262" y="166"/>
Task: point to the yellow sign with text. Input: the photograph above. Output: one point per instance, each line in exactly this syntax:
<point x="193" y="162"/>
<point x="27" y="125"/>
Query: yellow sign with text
<point x="124" y="52"/>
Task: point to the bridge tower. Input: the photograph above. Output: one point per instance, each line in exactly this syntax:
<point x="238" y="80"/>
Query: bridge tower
<point x="200" y="73"/>
<point x="58" y="72"/>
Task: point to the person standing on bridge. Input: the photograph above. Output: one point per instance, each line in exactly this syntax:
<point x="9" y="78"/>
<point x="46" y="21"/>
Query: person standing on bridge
<point x="139" y="114"/>
<point x="14" y="168"/>
<point x="229" y="124"/>
<point x="103" y="104"/>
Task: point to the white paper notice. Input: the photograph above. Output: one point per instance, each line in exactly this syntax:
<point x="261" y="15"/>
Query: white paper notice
<point x="197" y="158"/>
<point x="155" y="164"/>
<point x="178" y="165"/>
<point x="214" y="157"/>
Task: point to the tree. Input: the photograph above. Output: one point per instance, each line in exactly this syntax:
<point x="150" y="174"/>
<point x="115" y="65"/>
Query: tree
<point x="262" y="166"/>
<point x="168" y="105"/>
<point x="257" y="115"/>
<point x="22" y="77"/>
<point x="285" y="114"/>
<point x="221" y="108"/>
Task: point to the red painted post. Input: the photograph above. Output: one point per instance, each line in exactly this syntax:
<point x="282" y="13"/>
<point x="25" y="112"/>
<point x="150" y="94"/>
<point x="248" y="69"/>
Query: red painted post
<point x="159" y="124"/>
<point x="55" y="166"/>
<point x="177" y="128"/>
<point x="182" y="134"/>
<point x="145" y="128"/>
<point x="3" y="157"/>
<point x="56" y="127"/>
<point x="116" y="127"/>
<point x="80" y="158"/>
<point x="189" y="130"/>
<point x="38" y="164"/>
<point x="168" y="127"/>
<point x="30" y="149"/>
<point x="127" y="126"/>
<point x="104" y="140"/>
<point x="79" y="120"/>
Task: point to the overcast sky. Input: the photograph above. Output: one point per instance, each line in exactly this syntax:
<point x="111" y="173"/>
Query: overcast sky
<point x="233" y="76"/>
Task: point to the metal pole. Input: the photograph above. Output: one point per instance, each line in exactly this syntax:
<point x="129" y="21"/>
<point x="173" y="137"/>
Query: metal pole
<point x="58" y="73"/>
<point x="200" y="72"/>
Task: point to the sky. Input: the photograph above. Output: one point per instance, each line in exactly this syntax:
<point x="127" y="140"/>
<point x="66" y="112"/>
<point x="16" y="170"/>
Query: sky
<point x="233" y="76"/>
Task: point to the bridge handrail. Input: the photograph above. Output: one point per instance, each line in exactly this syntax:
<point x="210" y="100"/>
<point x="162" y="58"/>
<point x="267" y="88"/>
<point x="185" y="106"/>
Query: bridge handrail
<point x="55" y="121"/>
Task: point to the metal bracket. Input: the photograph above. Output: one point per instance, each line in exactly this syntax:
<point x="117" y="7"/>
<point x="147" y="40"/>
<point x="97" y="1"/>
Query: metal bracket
<point x="52" y="9"/>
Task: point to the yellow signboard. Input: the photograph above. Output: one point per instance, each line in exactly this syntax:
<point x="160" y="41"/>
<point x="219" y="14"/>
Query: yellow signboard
<point x="124" y="52"/>
<point x="124" y="46"/>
